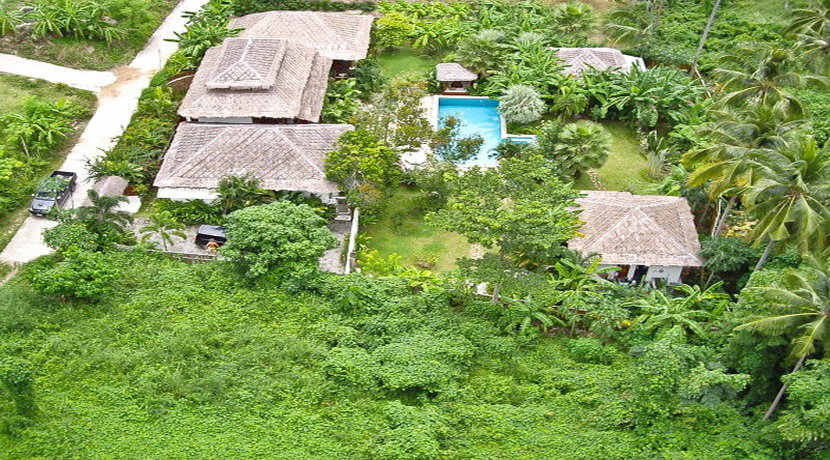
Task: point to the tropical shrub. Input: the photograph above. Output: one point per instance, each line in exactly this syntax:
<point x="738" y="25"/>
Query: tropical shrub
<point x="279" y="238"/>
<point x="243" y="7"/>
<point x="41" y="127"/>
<point x="521" y="104"/>
<point x="643" y="98"/>
<point x="80" y="19"/>
<point x="79" y="275"/>
<point x="190" y="212"/>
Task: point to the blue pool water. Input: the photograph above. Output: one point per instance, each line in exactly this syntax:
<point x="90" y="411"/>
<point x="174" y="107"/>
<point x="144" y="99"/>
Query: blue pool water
<point x="477" y="116"/>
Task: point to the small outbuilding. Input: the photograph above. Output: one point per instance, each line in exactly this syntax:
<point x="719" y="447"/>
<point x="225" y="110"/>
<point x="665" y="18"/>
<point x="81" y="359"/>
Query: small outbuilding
<point x="454" y="78"/>
<point x="649" y="237"/>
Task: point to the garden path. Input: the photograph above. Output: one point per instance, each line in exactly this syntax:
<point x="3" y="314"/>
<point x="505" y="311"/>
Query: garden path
<point x="116" y="104"/>
<point x="90" y="80"/>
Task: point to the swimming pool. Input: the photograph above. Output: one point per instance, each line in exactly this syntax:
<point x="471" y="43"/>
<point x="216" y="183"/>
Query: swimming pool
<point x="478" y="116"/>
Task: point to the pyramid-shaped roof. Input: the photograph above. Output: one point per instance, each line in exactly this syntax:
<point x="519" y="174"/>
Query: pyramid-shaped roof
<point x="258" y="78"/>
<point x="626" y="229"/>
<point x="578" y="60"/>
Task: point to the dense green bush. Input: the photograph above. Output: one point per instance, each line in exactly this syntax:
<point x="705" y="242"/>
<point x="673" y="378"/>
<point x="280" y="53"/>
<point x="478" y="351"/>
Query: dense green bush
<point x="363" y="368"/>
<point x="590" y="351"/>
<point x="243" y="7"/>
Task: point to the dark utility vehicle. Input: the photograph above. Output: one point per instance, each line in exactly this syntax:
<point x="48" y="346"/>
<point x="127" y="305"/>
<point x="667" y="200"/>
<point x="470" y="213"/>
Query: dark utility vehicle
<point x="210" y="232"/>
<point x="53" y="191"/>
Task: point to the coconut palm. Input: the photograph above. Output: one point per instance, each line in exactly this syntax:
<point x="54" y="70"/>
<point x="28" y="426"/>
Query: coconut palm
<point x="802" y="302"/>
<point x="759" y="75"/>
<point x="164" y="226"/>
<point x="102" y="218"/>
<point x="705" y="35"/>
<point x="811" y="27"/>
<point x="635" y="25"/>
<point x="724" y="162"/>
<point x="791" y="197"/>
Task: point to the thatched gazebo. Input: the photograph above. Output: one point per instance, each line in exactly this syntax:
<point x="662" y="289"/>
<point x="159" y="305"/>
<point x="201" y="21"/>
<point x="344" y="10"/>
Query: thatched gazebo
<point x="454" y="78"/>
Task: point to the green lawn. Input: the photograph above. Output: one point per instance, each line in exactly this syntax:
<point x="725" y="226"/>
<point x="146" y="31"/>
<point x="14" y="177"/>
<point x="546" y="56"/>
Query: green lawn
<point x="401" y="230"/>
<point x="393" y="62"/>
<point x="621" y="172"/>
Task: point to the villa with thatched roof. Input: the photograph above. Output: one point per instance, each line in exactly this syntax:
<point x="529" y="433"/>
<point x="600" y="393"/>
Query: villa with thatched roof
<point x="578" y="60"/>
<point x="454" y="78"/>
<point x="282" y="157"/>
<point x="341" y="37"/>
<point x="258" y="80"/>
<point x="649" y="237"/>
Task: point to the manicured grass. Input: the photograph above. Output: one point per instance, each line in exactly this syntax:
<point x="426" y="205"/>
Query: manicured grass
<point x="401" y="230"/>
<point x="622" y="170"/>
<point x="91" y="54"/>
<point x="393" y="62"/>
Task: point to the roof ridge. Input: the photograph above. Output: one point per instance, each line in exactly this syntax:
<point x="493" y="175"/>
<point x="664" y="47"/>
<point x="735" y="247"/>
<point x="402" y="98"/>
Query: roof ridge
<point x="300" y="153"/>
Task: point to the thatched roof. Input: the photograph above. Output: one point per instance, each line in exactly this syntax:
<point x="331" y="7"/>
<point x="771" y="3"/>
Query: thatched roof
<point x="626" y="229"/>
<point x="579" y="60"/>
<point x="451" y="71"/>
<point x="282" y="157"/>
<point x="259" y="78"/>
<point x="341" y="36"/>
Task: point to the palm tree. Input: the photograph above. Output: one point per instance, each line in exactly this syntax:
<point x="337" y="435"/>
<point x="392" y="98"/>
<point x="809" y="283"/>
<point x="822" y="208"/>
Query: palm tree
<point x="237" y="192"/>
<point x="760" y="75"/>
<point x="634" y="25"/>
<point x="791" y="198"/>
<point x="803" y="301"/>
<point x="165" y="227"/>
<point x="574" y="21"/>
<point x="811" y="27"/>
<point x="101" y="216"/>
<point x="705" y="35"/>
<point x="483" y="51"/>
<point x="678" y="316"/>
<point x="724" y="162"/>
<point x="522" y="314"/>
<point x="582" y="145"/>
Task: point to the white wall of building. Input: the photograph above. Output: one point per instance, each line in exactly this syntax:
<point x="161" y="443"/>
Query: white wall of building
<point x="670" y="274"/>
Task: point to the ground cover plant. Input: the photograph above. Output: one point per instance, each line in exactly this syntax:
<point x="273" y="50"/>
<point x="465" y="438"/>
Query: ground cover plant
<point x="80" y="34"/>
<point x="361" y="369"/>
<point x="521" y="351"/>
